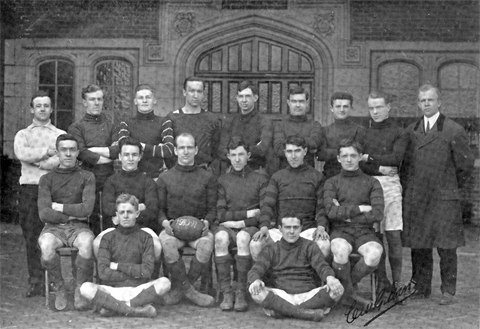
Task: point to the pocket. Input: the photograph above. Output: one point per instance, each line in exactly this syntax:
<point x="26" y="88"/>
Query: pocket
<point x="450" y="194"/>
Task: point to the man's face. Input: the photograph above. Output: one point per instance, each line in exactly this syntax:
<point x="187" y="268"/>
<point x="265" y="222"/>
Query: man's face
<point x="429" y="103"/>
<point x="297" y="104"/>
<point x="295" y="155"/>
<point x="93" y="102"/>
<point x="42" y="108"/>
<point x="238" y="157"/>
<point x="378" y="109"/>
<point x="349" y="158"/>
<point x="145" y="99"/>
<point x="341" y="109"/>
<point x="246" y="100"/>
<point x="126" y="214"/>
<point x="67" y="153"/>
<point x="186" y="151"/>
<point x="130" y="156"/>
<point x="291" y="228"/>
<point x="194" y="93"/>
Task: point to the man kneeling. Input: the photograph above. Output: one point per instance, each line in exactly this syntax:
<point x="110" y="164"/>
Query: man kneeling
<point x="296" y="267"/>
<point x="125" y="264"/>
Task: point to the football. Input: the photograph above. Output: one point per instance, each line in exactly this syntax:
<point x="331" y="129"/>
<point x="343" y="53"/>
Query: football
<point x="187" y="228"/>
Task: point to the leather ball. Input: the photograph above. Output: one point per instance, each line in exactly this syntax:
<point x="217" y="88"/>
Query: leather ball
<point x="187" y="228"/>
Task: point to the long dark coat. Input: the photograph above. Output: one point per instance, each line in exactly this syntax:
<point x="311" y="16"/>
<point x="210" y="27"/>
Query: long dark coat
<point x="436" y="165"/>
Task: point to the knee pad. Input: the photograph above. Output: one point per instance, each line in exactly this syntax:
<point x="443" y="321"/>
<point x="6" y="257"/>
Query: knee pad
<point x="204" y="250"/>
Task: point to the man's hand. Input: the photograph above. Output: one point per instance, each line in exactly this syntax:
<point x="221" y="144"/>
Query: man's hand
<point x="205" y="227"/>
<point x="365" y="208"/>
<point x="334" y="286"/>
<point x="253" y="213"/>
<point x="364" y="157"/>
<point x="238" y="224"/>
<point x="113" y="266"/>
<point x="167" y="227"/>
<point x="388" y="171"/>
<point x="142" y="207"/>
<point x="336" y="203"/>
<point x="256" y="287"/>
<point x="51" y="152"/>
<point x="57" y="207"/>
<point x="320" y="233"/>
<point x="262" y="234"/>
<point x="115" y="220"/>
<point x="103" y="160"/>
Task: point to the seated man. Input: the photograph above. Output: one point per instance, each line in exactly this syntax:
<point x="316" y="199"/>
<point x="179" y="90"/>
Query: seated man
<point x="186" y="190"/>
<point x="125" y="266"/>
<point x="296" y="268"/>
<point x="240" y="196"/>
<point x="296" y="188"/>
<point x="65" y="200"/>
<point x="353" y="203"/>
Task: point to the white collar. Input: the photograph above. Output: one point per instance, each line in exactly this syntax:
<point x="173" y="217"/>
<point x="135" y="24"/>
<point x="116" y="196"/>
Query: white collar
<point x="432" y="120"/>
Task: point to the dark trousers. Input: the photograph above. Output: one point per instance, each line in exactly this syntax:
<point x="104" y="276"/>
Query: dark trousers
<point x="31" y="227"/>
<point x="422" y="269"/>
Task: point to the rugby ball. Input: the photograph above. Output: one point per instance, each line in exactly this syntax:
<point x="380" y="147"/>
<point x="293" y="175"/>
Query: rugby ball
<point x="187" y="228"/>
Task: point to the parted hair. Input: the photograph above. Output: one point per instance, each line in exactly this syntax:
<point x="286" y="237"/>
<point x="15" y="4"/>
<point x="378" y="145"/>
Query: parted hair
<point x="193" y="78"/>
<point x="341" y="95"/>
<point x="376" y="94"/>
<point x="298" y="90"/>
<point x="290" y="214"/>
<point x="127" y="198"/>
<point x="90" y="89"/>
<point x="427" y="87"/>
<point x="39" y="93"/>
<point x="144" y="86"/>
<point x="65" y="137"/>
<point x="130" y="141"/>
<point x="295" y="140"/>
<point x="347" y="142"/>
<point x="237" y="141"/>
<point x="247" y="84"/>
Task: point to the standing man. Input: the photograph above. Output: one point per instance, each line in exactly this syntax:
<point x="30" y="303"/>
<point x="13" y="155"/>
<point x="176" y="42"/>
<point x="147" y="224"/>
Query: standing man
<point x="437" y="163"/>
<point x="153" y="132"/>
<point x="187" y="190"/>
<point x="34" y="146"/>
<point x="94" y="133"/>
<point x="341" y="103"/>
<point x="297" y="123"/>
<point x="204" y="126"/>
<point x="255" y="129"/>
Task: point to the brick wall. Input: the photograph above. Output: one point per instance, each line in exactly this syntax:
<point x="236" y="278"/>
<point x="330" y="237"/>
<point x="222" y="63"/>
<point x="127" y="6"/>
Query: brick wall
<point x="415" y="20"/>
<point x="80" y="19"/>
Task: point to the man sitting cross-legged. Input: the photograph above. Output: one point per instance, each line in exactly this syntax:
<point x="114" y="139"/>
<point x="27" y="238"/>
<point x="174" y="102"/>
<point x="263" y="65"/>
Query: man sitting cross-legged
<point x="65" y="200"/>
<point x="353" y="202"/>
<point x="125" y="266"/>
<point x="295" y="267"/>
<point x="240" y="196"/>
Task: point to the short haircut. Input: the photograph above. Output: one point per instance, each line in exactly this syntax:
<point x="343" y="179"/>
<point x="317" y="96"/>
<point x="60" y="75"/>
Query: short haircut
<point x="130" y="141"/>
<point x="297" y="90"/>
<point x="247" y="84"/>
<point x="296" y="140"/>
<point x="90" y="89"/>
<point x="193" y="78"/>
<point x="376" y="94"/>
<point x="347" y="142"/>
<point x="237" y="141"/>
<point x="185" y="135"/>
<point x="144" y="86"/>
<point x="39" y="93"/>
<point x="426" y="87"/>
<point x="289" y="214"/>
<point x="341" y="95"/>
<point x="65" y="137"/>
<point x="127" y="198"/>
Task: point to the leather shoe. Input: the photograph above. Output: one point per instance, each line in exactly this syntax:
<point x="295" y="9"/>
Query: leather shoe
<point x="447" y="299"/>
<point x="419" y="295"/>
<point x="35" y="289"/>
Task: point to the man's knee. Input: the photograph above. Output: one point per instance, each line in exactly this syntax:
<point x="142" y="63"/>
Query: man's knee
<point x="204" y="248"/>
<point x="324" y="246"/>
<point x="162" y="285"/>
<point x="256" y="247"/>
<point x="48" y="244"/>
<point x="222" y="240"/>
<point x="84" y="242"/>
<point x="88" y="290"/>
<point x="371" y="252"/>
<point x="169" y="247"/>
<point x="340" y="248"/>
<point x="243" y="239"/>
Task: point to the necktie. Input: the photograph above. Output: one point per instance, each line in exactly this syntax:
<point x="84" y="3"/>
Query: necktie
<point x="428" y="127"/>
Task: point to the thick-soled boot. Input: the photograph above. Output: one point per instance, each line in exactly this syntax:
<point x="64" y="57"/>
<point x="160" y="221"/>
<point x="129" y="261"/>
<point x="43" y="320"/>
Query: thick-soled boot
<point x="243" y="264"/>
<point x="178" y="276"/>
<point x="146" y="296"/>
<point x="223" y="264"/>
<point x="342" y="272"/>
<point x="283" y="307"/>
<point x="84" y="274"/>
<point x="198" y="298"/>
<point x="196" y="270"/>
<point x="106" y="301"/>
<point x="172" y="297"/>
<point x="54" y="269"/>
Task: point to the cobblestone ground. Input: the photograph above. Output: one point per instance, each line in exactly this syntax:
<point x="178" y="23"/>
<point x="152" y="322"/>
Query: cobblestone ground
<point x="19" y="312"/>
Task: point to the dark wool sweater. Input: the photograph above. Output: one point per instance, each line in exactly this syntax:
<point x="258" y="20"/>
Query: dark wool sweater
<point x="351" y="189"/>
<point x="294" y="190"/>
<point x="294" y="267"/>
<point x="385" y="144"/>
<point x="132" y="249"/>
<point x="297" y="125"/>
<point x="331" y="137"/>
<point x="135" y="183"/>
<point x="254" y="128"/>
<point x="239" y="191"/>
<point x="205" y="128"/>
<point x="72" y="187"/>
<point x="157" y="135"/>
<point x="94" y="131"/>
<point x="187" y="191"/>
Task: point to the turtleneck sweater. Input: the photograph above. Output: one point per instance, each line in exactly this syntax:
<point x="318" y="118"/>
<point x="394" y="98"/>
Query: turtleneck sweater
<point x="292" y="190"/>
<point x="331" y="137"/>
<point x="351" y="189"/>
<point x="239" y="191"/>
<point x="132" y="249"/>
<point x="94" y="131"/>
<point x="385" y="144"/>
<point x="297" y="125"/>
<point x="135" y="183"/>
<point x="187" y="191"/>
<point x="256" y="131"/>
<point x="72" y="187"/>
<point x="157" y="135"/>
<point x="294" y="267"/>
